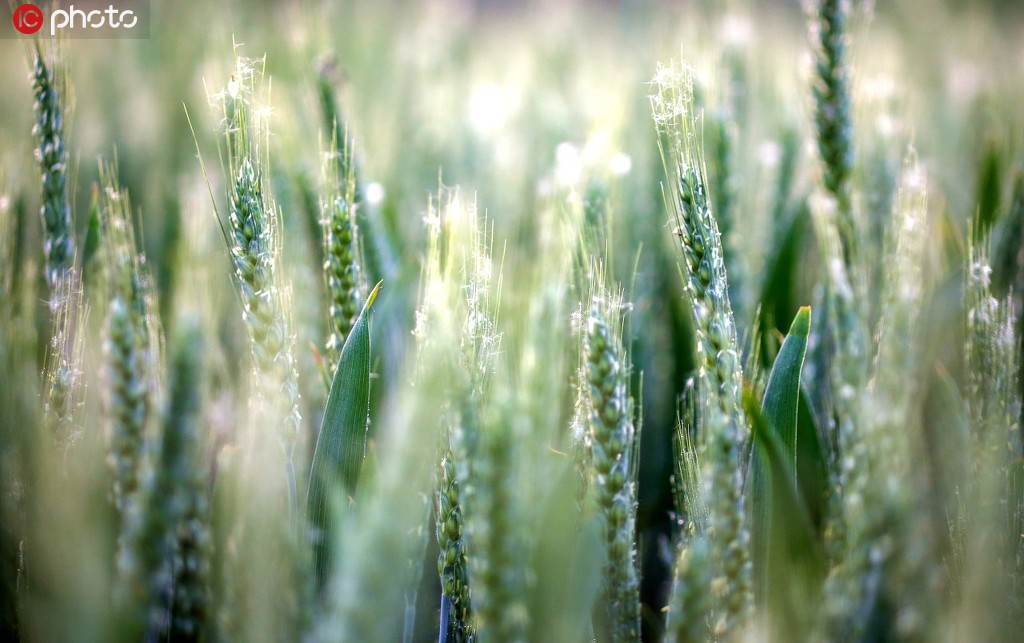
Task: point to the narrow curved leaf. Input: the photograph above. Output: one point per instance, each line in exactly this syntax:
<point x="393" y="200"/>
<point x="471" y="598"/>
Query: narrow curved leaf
<point x="341" y="444"/>
<point x="773" y="464"/>
<point x="811" y="462"/>
<point x="792" y="559"/>
<point x="92" y="232"/>
<point x="785" y="498"/>
<point x="779" y="288"/>
<point x="782" y="396"/>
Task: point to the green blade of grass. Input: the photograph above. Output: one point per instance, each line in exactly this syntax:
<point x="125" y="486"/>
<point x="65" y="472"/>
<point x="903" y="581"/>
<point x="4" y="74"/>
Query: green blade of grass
<point x="989" y="189"/>
<point x="92" y="234"/>
<point x="782" y="395"/>
<point x="341" y="444"/>
<point x="792" y="564"/>
<point x="811" y="462"/>
<point x="785" y="498"/>
<point x="772" y="483"/>
<point x="779" y="289"/>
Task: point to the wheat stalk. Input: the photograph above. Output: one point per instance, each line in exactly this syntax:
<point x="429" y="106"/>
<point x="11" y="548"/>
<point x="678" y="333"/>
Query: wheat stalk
<point x="264" y="507"/>
<point x="469" y="459"/>
<point x="837" y="229"/>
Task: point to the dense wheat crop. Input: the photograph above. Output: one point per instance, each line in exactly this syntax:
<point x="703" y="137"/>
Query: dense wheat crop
<point x="515" y="321"/>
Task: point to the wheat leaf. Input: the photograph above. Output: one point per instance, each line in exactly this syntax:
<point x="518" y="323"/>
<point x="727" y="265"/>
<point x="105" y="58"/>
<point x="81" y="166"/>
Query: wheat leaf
<point x="811" y="461"/>
<point x="789" y="559"/>
<point x="341" y="444"/>
<point x="774" y="456"/>
<point x="782" y="396"/>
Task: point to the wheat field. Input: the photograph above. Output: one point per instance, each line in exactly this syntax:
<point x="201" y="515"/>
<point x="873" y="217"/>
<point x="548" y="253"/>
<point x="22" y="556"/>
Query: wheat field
<point x="493" y="321"/>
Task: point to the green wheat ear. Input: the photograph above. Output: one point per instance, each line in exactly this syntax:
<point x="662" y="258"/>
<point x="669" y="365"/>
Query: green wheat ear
<point x="191" y="603"/>
<point x="690" y="604"/>
<point x="62" y="385"/>
<point x="253" y="236"/>
<point x="342" y="271"/>
<point x="130" y="343"/>
<point x="456" y="608"/>
<point x="341" y="201"/>
<point x="341" y="264"/>
<point x="720" y="374"/>
<point x="614" y="444"/>
<point x="833" y="114"/>
<point x="165" y="563"/>
<point x="58" y="231"/>
<point x="837" y="227"/>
